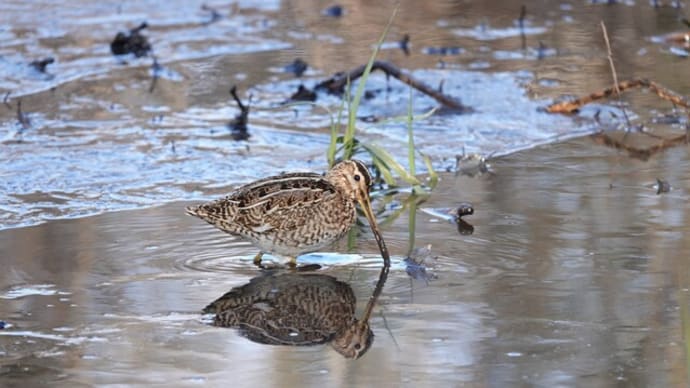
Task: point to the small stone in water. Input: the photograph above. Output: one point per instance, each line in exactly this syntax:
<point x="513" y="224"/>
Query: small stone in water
<point x="134" y="42"/>
<point x="303" y="94"/>
<point x="297" y="67"/>
<point x="40" y="65"/>
<point x="335" y="11"/>
<point x="465" y="209"/>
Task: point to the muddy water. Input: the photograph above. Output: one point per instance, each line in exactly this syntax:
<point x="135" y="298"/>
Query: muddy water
<point x="98" y="140"/>
<point x="575" y="273"/>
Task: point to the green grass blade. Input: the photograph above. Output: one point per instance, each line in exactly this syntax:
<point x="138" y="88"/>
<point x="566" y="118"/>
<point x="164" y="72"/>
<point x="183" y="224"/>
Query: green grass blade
<point x="412" y="225"/>
<point x="410" y="136"/>
<point x="385" y="172"/>
<point x="390" y="162"/>
<point x="433" y="175"/>
<point x="403" y="119"/>
<point x="335" y="130"/>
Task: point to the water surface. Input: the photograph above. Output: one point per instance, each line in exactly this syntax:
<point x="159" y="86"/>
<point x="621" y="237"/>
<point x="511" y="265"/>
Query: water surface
<point x="570" y="278"/>
<point x="99" y="140"/>
<point x="576" y="273"/>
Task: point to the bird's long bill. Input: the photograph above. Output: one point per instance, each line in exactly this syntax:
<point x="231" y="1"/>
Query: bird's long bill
<point x="369" y="212"/>
<point x="364" y="202"/>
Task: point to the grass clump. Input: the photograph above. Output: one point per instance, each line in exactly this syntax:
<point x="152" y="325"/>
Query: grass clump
<point x="345" y="146"/>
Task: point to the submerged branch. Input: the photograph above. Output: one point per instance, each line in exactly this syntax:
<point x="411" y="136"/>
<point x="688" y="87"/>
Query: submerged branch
<point x="640" y="153"/>
<point x="238" y="126"/>
<point x="337" y="84"/>
<point x="569" y="107"/>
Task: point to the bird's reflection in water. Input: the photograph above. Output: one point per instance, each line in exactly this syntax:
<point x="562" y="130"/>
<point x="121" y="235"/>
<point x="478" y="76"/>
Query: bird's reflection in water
<point x="282" y="307"/>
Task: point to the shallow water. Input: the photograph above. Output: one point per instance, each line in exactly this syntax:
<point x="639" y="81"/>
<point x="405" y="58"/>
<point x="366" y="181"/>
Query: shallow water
<point x="98" y="140"/>
<point x="575" y="273"/>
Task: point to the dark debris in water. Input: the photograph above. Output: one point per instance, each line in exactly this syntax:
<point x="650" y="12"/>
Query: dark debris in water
<point x="523" y="15"/>
<point x="303" y="94"/>
<point x="443" y="51"/>
<point x="3" y="325"/>
<point x="131" y="43"/>
<point x="156" y="69"/>
<point x="215" y="15"/>
<point x="662" y="186"/>
<point x="668" y="119"/>
<point x="542" y="50"/>
<point x="23" y="120"/>
<point x="297" y="67"/>
<point x="238" y="125"/>
<point x="22" y="117"/>
<point x="41" y="64"/>
<point x="334" y="11"/>
<point x="405" y="44"/>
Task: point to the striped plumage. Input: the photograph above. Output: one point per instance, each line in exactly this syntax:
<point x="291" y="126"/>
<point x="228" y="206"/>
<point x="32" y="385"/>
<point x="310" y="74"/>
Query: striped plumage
<point x="295" y="308"/>
<point x="294" y="213"/>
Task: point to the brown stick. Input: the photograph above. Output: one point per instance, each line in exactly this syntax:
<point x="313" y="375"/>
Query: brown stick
<point x="574" y="105"/>
<point x="569" y="107"/>
<point x="337" y="83"/>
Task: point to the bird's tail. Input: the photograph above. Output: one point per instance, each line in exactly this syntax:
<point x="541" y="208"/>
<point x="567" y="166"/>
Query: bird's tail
<point x="208" y="212"/>
<point x="229" y="300"/>
<point x="214" y="214"/>
<point x="196" y="210"/>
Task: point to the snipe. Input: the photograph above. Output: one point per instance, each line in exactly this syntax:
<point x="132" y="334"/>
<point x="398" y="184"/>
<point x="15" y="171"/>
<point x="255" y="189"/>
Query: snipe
<point x="297" y="309"/>
<point x="297" y="213"/>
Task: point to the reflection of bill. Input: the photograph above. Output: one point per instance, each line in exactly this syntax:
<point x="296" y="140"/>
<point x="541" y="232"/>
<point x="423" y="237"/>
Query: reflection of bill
<point x="298" y="309"/>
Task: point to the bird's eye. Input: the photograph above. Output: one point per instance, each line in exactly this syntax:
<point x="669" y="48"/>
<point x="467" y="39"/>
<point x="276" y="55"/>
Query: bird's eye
<point x="357" y="177"/>
<point x="357" y="346"/>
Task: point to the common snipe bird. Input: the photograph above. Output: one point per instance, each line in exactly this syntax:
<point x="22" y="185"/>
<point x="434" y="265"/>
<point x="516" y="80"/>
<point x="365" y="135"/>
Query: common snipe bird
<point x="296" y="213"/>
<point x="298" y="309"/>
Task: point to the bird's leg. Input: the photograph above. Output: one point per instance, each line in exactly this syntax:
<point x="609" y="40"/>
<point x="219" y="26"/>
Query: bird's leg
<point x="257" y="259"/>
<point x="292" y="264"/>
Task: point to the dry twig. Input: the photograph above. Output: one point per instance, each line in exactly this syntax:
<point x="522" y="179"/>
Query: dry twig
<point x="613" y="72"/>
<point x="574" y="105"/>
